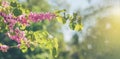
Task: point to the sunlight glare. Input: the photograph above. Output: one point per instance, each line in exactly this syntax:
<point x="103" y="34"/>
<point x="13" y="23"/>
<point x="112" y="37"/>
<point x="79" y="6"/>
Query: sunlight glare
<point x="116" y="11"/>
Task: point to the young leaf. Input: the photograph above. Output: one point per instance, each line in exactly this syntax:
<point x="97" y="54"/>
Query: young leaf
<point x="23" y="46"/>
<point x="54" y="52"/>
<point x="22" y="27"/>
<point x="59" y="19"/>
<point x="72" y="26"/>
<point x="13" y="4"/>
<point x="32" y="47"/>
<point x="78" y="27"/>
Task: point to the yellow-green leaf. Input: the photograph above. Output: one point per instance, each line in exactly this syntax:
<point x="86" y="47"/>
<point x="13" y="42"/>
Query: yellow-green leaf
<point x="32" y="48"/>
<point x="78" y="27"/>
<point x="24" y="49"/>
<point x="23" y="46"/>
<point x="22" y="27"/>
<point x="59" y="19"/>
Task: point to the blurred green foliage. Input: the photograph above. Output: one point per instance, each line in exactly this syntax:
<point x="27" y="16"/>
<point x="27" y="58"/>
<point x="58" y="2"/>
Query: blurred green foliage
<point x="37" y="5"/>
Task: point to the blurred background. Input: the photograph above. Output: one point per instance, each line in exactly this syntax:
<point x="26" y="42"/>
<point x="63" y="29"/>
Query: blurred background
<point x="99" y="38"/>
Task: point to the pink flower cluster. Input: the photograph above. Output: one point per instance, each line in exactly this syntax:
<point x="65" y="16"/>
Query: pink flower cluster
<point x="18" y="35"/>
<point x="5" y="4"/>
<point x="40" y="16"/>
<point x="4" y="48"/>
<point x="23" y="20"/>
<point x="14" y="33"/>
<point x="10" y="20"/>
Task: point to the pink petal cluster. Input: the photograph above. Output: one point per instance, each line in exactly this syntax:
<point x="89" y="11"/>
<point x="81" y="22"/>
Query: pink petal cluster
<point x="15" y="33"/>
<point x="4" y="48"/>
<point x="5" y="4"/>
<point x="11" y="20"/>
<point x="18" y="35"/>
<point x="23" y="20"/>
<point x="34" y="17"/>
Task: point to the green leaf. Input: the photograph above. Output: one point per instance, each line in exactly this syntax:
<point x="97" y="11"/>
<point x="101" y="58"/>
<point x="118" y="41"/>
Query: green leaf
<point x="23" y="46"/>
<point x="79" y="19"/>
<point x="54" y="52"/>
<point x="13" y="4"/>
<point x="27" y="11"/>
<point x="32" y="47"/>
<point x="24" y="49"/>
<point x="72" y="26"/>
<point x="55" y="48"/>
<point x="17" y="11"/>
<point x="59" y="11"/>
<point x="59" y="19"/>
<point x="74" y="14"/>
<point x="78" y="27"/>
<point x="22" y="27"/>
<point x="64" y="10"/>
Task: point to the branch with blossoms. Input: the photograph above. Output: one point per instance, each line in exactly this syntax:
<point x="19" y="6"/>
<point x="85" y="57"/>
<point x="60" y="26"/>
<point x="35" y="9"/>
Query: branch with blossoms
<point x="15" y="20"/>
<point x="11" y="20"/>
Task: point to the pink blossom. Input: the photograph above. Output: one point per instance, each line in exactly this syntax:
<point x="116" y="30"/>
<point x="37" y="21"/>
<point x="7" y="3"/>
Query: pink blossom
<point x="15" y="33"/>
<point x="4" y="48"/>
<point x="49" y="16"/>
<point x="34" y="17"/>
<point x="5" y="4"/>
<point x="18" y="45"/>
<point x="18" y="36"/>
<point x="22" y="19"/>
